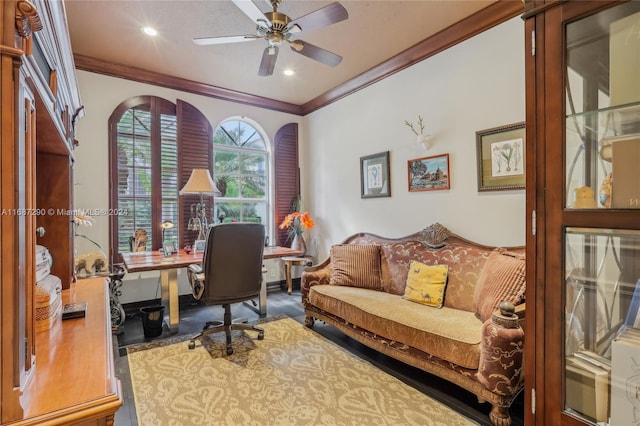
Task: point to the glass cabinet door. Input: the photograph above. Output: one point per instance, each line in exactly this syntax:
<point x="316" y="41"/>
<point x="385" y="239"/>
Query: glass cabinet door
<point x="602" y="143"/>
<point x="601" y="358"/>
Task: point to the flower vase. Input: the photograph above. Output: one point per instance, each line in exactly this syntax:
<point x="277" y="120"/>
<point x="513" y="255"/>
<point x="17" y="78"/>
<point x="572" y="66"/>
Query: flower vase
<point x="298" y="244"/>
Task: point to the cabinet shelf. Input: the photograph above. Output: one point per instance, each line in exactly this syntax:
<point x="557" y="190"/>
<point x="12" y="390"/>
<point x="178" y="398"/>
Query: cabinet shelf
<point x="609" y="121"/>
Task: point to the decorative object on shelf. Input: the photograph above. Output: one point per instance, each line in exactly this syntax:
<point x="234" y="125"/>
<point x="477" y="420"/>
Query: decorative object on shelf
<point x="375" y="178"/>
<point x="429" y="173"/>
<point x="584" y="198"/>
<point x="201" y="183"/>
<point x="501" y="158"/>
<point x="167" y="247"/>
<point x="604" y="196"/>
<point x="93" y="263"/>
<point x="80" y="218"/>
<point x="425" y="140"/>
<point x="297" y="222"/>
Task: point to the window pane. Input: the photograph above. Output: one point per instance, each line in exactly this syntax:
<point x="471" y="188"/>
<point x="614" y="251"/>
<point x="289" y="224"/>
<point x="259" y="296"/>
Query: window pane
<point x="225" y="162"/>
<point x="136" y="148"/>
<point x="230" y="211"/>
<point x="240" y="172"/>
<point x="139" y="217"/>
<point x="253" y="164"/>
<point x="252" y="212"/>
<point x="253" y="187"/>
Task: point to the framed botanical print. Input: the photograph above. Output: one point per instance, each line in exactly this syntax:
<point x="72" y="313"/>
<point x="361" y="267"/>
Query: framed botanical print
<point x="500" y="154"/>
<point x="375" y="176"/>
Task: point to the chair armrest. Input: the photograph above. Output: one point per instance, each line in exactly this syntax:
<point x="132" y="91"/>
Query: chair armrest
<point x="196" y="269"/>
<point x="195" y="276"/>
<point x="502" y="352"/>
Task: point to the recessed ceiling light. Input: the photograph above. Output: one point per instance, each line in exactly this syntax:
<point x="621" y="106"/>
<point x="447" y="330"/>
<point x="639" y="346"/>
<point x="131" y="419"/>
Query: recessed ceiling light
<point x="289" y="71"/>
<point x="150" y="31"/>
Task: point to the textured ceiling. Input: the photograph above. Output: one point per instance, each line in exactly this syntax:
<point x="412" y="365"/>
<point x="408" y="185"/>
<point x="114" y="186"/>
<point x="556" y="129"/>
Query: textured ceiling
<point x="375" y="31"/>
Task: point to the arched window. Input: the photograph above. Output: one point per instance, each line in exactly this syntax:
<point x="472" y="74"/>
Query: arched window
<point x="241" y="171"/>
<point x="154" y="146"/>
<point x="143" y="168"/>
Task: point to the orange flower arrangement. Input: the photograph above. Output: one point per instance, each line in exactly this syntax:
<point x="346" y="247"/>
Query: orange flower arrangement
<point x="297" y="222"/>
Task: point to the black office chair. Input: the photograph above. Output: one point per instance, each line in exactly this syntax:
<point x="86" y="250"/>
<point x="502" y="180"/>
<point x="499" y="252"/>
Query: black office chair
<point x="231" y="272"/>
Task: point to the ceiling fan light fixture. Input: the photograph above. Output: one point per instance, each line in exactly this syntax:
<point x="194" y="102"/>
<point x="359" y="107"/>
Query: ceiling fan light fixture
<point x="277" y="28"/>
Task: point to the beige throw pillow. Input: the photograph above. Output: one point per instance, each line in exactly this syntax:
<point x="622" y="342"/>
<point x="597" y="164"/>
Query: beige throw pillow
<point x="502" y="278"/>
<point x="356" y="265"/>
<point x="426" y="284"/>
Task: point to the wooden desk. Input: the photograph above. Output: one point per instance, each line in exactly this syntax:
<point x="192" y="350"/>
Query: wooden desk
<point x="74" y="381"/>
<point x="168" y="267"/>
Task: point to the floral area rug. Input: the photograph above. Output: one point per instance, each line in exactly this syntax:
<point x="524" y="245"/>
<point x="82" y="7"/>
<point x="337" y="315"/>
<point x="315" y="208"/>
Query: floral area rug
<point x="292" y="377"/>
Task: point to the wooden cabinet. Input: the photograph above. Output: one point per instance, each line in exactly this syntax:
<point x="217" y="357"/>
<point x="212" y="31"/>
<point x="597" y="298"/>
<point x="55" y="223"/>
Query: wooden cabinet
<point x="39" y="106"/>
<point x="583" y="207"/>
<point x="78" y="385"/>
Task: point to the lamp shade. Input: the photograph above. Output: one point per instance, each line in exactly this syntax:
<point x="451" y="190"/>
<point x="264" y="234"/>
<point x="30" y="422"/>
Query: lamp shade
<point x="200" y="182"/>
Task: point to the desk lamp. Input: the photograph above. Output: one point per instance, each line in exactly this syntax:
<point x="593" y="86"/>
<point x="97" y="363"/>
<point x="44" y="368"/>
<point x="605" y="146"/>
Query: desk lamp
<point x="167" y="224"/>
<point x="200" y="182"/>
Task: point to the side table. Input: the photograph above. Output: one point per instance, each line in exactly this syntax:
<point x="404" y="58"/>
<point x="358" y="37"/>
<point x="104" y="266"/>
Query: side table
<point x="290" y="262"/>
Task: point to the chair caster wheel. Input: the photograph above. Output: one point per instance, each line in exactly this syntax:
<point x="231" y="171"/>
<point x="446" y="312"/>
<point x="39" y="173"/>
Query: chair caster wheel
<point x="229" y="351"/>
<point x="192" y="345"/>
<point x="261" y="335"/>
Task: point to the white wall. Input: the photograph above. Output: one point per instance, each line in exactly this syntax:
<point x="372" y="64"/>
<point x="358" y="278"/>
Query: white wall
<point x="478" y="84"/>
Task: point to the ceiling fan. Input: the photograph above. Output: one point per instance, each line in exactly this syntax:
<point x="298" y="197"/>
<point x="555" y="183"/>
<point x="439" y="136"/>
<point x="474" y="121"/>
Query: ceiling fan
<point x="278" y="28"/>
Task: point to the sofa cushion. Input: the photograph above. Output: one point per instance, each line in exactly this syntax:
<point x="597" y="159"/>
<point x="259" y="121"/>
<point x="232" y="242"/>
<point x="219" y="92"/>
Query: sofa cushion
<point x="426" y="284"/>
<point x="503" y="277"/>
<point x="465" y="262"/>
<point x="356" y="265"/>
<point x="450" y="334"/>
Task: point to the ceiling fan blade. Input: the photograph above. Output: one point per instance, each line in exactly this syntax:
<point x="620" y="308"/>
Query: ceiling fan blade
<point x="317" y="53"/>
<point x="251" y="10"/>
<point x="323" y="17"/>
<point x="268" y="62"/>
<point x="205" y="41"/>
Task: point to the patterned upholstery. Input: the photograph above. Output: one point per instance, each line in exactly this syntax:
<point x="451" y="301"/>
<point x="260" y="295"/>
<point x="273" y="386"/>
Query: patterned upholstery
<point x="491" y="368"/>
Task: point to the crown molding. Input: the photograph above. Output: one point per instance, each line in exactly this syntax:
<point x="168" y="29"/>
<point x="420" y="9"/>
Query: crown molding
<point x="87" y="63"/>
<point x="475" y="24"/>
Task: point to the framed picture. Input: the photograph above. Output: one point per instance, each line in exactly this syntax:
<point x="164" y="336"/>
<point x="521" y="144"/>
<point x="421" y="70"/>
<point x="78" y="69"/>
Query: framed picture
<point x="429" y="173"/>
<point x="501" y="158"/>
<point x="374" y="175"/>
<point x="168" y="248"/>
<point x="199" y="245"/>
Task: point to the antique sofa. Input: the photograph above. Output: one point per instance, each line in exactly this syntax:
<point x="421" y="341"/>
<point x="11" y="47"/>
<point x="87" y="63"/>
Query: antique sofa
<point x="467" y="331"/>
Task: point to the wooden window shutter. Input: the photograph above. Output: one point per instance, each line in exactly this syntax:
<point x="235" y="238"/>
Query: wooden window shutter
<point x="195" y="151"/>
<point x="286" y="175"/>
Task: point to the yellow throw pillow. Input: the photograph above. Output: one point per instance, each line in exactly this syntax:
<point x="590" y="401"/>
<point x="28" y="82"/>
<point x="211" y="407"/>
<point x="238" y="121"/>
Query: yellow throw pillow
<point x="426" y="284"/>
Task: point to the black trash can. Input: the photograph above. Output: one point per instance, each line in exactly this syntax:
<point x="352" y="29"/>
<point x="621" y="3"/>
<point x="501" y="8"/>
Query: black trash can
<point x="152" y="318"/>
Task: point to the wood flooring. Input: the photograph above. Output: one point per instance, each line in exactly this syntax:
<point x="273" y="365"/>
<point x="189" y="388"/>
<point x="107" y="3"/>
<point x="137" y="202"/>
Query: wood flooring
<point x="194" y="314"/>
